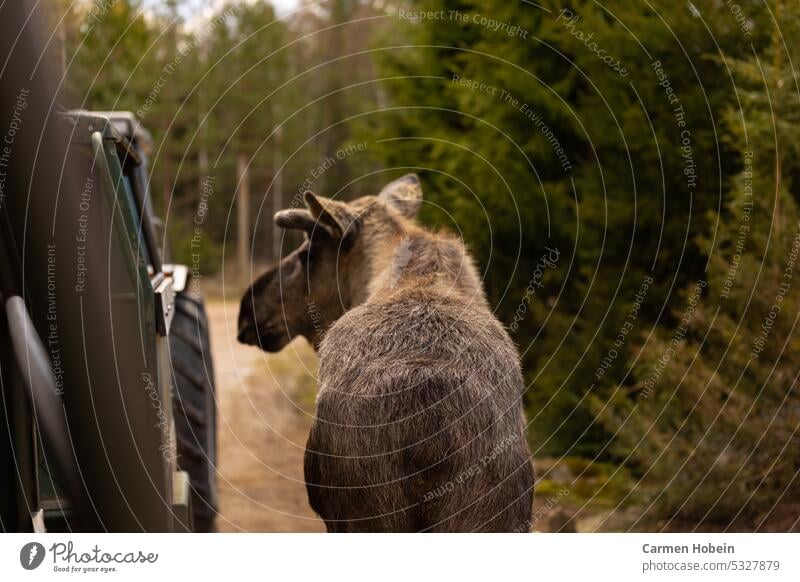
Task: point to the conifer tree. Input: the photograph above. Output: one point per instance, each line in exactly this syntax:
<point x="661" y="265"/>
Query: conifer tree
<point x="710" y="426"/>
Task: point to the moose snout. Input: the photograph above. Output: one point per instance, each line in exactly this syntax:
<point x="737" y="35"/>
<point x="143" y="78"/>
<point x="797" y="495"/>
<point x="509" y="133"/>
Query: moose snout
<point x="247" y="334"/>
<point x="247" y="328"/>
<point x="252" y="334"/>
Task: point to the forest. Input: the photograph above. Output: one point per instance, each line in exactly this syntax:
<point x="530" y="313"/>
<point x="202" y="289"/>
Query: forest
<point x="626" y="175"/>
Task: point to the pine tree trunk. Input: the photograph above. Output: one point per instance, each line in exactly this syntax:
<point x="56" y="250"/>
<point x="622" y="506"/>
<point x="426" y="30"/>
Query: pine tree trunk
<point x="243" y="217"/>
<point x="277" y="195"/>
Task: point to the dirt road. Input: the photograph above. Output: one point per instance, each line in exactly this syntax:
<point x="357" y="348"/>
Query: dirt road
<point x="264" y="405"/>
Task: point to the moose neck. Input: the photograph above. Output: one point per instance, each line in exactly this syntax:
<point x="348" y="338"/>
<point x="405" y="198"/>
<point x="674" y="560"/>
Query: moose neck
<point x="421" y="259"/>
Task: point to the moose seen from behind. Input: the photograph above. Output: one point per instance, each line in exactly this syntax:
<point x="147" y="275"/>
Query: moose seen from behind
<point x="419" y="423"/>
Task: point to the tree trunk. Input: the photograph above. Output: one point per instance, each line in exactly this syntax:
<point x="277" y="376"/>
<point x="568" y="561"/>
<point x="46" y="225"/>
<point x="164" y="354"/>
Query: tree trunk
<point x="243" y="217"/>
<point x="277" y="196"/>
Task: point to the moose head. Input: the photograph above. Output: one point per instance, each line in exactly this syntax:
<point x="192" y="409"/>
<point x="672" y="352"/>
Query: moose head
<point x="331" y="271"/>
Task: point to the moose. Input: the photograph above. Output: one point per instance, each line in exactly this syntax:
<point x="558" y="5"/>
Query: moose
<point x="419" y="424"/>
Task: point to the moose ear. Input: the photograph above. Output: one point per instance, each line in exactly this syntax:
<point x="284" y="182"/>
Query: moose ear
<point x="404" y="195"/>
<point x="296" y="219"/>
<point x="335" y="216"/>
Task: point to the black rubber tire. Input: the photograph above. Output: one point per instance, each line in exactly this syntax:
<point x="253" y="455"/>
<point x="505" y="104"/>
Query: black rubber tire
<point x="194" y="406"/>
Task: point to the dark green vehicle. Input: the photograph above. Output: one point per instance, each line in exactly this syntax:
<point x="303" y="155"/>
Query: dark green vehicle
<point x="107" y="407"/>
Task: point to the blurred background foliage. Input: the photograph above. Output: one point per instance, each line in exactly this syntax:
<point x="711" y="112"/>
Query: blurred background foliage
<point x="672" y="161"/>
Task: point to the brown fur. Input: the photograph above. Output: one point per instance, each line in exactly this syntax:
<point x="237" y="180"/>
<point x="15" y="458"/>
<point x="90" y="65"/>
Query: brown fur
<point x="419" y="421"/>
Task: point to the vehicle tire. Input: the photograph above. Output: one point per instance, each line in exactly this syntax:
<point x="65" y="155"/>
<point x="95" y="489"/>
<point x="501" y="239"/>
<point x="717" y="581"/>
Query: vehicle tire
<point x="194" y="406"/>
